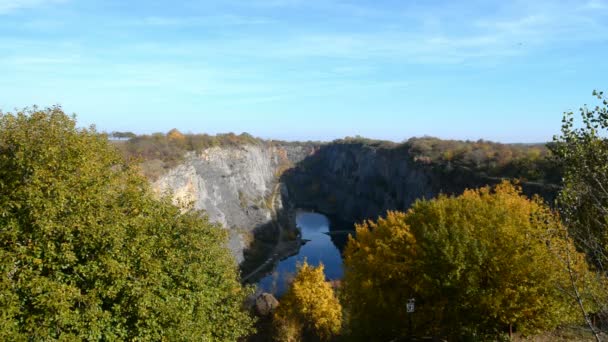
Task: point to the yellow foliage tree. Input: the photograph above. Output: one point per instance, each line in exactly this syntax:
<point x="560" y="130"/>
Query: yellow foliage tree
<point x="476" y="264"/>
<point x="175" y="134"/>
<point x="309" y="307"/>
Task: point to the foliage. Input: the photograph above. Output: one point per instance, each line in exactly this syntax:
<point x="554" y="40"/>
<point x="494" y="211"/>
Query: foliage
<point x="584" y="199"/>
<point x="583" y="150"/>
<point x="531" y="162"/>
<point x="309" y="307"/>
<point x="528" y="162"/>
<point x="123" y="135"/>
<point x="475" y="264"/>
<point x="87" y="253"/>
<point x="286" y="329"/>
<point x="160" y="152"/>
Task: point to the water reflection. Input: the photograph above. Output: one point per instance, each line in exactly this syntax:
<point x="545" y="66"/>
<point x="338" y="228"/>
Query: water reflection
<point x="319" y="248"/>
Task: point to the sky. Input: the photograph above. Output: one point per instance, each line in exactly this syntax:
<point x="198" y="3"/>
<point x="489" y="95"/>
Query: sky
<point x="308" y="69"/>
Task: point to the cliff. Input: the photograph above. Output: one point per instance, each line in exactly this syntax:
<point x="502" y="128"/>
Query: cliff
<point x="236" y="186"/>
<point x="249" y="188"/>
<point x="357" y="181"/>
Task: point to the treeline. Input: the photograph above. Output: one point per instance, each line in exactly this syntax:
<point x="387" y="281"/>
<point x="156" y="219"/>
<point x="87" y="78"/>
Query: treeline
<point x="527" y="162"/>
<point x="170" y="146"/>
<point x="159" y="152"/>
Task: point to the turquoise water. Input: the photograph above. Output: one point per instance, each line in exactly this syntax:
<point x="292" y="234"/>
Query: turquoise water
<point x="320" y="249"/>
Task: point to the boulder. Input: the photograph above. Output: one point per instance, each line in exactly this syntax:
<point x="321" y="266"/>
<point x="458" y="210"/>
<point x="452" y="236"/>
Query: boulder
<point x="265" y="304"/>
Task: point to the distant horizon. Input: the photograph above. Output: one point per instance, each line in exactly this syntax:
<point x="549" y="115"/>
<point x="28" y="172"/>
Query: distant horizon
<point x="308" y="69"/>
<point x="404" y="140"/>
<point x="287" y="139"/>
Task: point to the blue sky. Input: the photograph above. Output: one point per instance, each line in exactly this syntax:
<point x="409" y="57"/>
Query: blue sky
<point x="308" y="69"/>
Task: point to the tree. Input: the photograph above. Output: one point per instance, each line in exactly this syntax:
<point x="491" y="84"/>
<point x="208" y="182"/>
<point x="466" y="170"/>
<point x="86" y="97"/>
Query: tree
<point x="87" y="253"/>
<point x="175" y="135"/>
<point x="583" y="200"/>
<point x="309" y="308"/>
<point x="476" y="264"/>
<point x="123" y="135"/>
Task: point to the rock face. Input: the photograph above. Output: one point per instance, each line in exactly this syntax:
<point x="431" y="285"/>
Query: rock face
<point x="354" y="181"/>
<point x="236" y="186"/>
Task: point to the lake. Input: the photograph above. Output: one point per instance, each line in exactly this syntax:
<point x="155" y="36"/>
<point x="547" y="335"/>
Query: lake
<point x="319" y="249"/>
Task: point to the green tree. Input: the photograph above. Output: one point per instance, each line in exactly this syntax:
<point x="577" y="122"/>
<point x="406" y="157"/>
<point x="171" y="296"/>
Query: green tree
<point x="123" y="135"/>
<point x="87" y="253"/>
<point x="584" y="199"/>
<point x="476" y="265"/>
<point x="309" y="308"/>
<point x="582" y="149"/>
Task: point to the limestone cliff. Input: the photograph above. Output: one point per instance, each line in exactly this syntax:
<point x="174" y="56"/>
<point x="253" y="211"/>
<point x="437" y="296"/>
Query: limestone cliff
<point x="236" y="186"/>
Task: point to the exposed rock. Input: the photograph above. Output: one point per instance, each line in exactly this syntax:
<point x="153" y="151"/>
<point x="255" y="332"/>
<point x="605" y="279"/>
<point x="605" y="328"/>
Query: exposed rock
<point x="265" y="304"/>
<point x="234" y="185"/>
<point x="354" y="181"/>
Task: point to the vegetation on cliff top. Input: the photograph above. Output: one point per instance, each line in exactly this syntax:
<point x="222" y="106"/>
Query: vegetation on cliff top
<point x="159" y="152"/>
<point x="527" y="162"/>
<point x="87" y="253"/>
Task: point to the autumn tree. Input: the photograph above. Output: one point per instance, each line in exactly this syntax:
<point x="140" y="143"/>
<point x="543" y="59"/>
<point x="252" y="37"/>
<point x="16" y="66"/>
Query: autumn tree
<point x="87" y="253"/>
<point x="309" y="308"/>
<point x="176" y="137"/>
<point x="477" y="265"/>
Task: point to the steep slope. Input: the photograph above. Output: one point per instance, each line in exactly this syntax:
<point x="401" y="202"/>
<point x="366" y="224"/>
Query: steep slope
<point x="357" y="181"/>
<point x="234" y="185"/>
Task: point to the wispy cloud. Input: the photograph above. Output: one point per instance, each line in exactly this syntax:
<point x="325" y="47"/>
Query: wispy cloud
<point x="198" y="21"/>
<point x="7" y="6"/>
<point x="428" y="41"/>
<point x="19" y="61"/>
<point x="430" y="36"/>
<point x="273" y="66"/>
<point x="343" y="7"/>
<point x="597" y="5"/>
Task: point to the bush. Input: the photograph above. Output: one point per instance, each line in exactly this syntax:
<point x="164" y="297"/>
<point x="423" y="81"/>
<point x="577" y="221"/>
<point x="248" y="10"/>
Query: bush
<point x="476" y="265"/>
